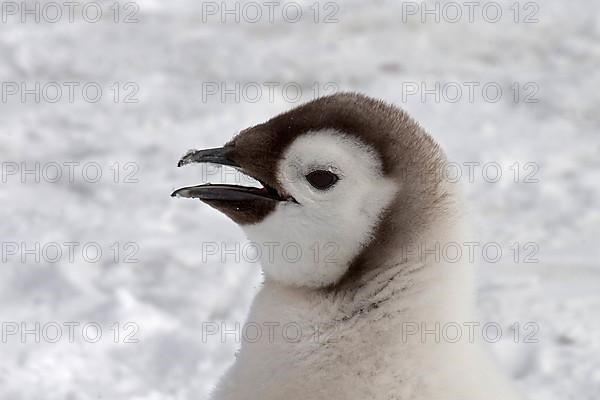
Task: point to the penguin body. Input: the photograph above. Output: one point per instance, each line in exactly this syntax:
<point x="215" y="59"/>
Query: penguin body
<point x="353" y="175"/>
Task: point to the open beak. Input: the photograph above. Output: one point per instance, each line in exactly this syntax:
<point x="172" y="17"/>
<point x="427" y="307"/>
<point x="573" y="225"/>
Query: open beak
<point x="222" y="156"/>
<point x="243" y="204"/>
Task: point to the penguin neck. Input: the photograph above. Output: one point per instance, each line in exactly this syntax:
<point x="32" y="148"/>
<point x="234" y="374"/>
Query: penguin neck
<point x="407" y="265"/>
<point x="411" y="281"/>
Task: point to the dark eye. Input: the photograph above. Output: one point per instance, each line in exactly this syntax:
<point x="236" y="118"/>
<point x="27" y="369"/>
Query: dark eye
<point x="321" y="179"/>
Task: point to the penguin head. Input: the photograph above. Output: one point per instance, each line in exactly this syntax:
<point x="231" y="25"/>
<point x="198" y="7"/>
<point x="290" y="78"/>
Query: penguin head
<point x="333" y="185"/>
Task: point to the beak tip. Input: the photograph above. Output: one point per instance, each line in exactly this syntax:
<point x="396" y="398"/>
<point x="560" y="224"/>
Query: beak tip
<point x="215" y="156"/>
<point x="187" y="158"/>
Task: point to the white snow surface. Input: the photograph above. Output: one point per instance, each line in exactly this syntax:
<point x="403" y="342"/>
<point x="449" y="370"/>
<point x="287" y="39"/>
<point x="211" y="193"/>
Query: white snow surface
<point x="170" y="292"/>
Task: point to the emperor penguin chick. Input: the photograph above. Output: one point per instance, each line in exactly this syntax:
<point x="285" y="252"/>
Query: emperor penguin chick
<point x="351" y="185"/>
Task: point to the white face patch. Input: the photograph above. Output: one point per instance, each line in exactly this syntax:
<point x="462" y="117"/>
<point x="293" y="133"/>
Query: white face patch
<point x="312" y="243"/>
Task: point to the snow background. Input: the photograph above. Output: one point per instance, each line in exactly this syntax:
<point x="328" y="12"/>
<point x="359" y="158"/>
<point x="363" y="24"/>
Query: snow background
<point x="170" y="292"/>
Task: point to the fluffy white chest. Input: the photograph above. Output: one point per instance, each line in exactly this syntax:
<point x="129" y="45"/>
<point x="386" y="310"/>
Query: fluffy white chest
<point x="309" y="351"/>
<point x="337" y="347"/>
